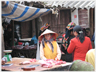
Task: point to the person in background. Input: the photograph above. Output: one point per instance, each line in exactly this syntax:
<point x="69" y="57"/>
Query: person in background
<point x="84" y="31"/>
<point x="49" y="49"/>
<point x="66" y="41"/>
<point x="9" y="34"/>
<point x="79" y="45"/>
<point x="43" y="28"/>
<point x="5" y="25"/>
<point x="88" y="32"/>
<point x="90" y="57"/>
<point x="93" y="38"/>
<point x="33" y="40"/>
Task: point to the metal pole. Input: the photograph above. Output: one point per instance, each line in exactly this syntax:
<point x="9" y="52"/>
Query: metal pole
<point x="36" y="27"/>
<point x="38" y="51"/>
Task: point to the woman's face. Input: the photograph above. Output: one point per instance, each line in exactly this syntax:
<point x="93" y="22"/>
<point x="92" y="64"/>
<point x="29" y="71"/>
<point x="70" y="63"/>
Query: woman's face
<point x="75" y="33"/>
<point x="47" y="36"/>
<point x="71" y="33"/>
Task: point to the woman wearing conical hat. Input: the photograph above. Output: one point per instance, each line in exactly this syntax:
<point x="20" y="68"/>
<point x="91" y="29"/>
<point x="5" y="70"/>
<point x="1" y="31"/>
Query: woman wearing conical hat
<point x="49" y="49"/>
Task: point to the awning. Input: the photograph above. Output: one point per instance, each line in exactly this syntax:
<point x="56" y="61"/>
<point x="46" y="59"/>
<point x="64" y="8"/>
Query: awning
<point x="71" y="4"/>
<point x="19" y="12"/>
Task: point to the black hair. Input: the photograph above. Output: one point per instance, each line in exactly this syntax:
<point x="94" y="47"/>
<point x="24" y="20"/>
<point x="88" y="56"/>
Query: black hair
<point x="81" y="35"/>
<point x="71" y="30"/>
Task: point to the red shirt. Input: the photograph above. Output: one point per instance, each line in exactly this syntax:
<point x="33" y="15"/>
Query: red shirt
<point x="79" y="49"/>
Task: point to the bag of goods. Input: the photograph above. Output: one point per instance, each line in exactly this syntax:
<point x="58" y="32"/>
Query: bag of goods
<point x="20" y="43"/>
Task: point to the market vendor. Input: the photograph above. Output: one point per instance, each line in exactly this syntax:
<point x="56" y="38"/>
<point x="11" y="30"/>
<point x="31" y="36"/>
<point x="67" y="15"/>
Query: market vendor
<point x="79" y="45"/>
<point x="49" y="49"/>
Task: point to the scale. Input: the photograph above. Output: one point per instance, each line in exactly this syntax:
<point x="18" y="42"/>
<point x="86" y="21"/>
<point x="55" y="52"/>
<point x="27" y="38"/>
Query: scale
<point x="7" y="55"/>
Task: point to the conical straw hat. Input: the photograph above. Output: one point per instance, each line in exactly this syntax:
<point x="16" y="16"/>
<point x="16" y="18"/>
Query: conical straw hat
<point x="46" y="32"/>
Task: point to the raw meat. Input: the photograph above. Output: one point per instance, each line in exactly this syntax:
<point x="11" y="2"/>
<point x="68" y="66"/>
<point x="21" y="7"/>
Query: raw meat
<point x="50" y="62"/>
<point x="24" y="63"/>
<point x="32" y="60"/>
<point x="59" y="62"/>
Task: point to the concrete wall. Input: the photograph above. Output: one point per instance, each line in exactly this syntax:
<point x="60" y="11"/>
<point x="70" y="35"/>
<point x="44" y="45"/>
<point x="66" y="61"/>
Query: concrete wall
<point x="74" y="16"/>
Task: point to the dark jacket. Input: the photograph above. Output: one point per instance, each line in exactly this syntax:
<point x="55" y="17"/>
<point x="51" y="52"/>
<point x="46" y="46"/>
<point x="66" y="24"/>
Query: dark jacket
<point x="68" y="57"/>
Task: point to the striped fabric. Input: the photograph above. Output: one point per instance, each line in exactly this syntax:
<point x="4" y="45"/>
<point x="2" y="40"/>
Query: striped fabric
<point x="22" y="13"/>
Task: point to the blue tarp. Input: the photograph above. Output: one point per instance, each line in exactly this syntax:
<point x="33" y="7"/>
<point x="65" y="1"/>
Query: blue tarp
<point x="19" y="12"/>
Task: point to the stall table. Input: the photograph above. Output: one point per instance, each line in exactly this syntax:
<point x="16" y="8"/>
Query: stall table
<point x="16" y="67"/>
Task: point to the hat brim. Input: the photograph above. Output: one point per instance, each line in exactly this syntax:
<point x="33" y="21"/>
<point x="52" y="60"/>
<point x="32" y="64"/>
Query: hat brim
<point x="55" y="35"/>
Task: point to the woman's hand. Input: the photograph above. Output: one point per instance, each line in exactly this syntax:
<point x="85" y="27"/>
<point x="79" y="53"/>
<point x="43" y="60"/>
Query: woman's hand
<point x="64" y="46"/>
<point x="62" y="53"/>
<point x="56" y="59"/>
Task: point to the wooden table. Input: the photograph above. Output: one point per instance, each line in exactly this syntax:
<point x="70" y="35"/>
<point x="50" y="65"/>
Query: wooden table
<point x="17" y="67"/>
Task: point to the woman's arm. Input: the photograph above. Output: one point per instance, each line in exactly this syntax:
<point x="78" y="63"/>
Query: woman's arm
<point x="58" y="53"/>
<point x="90" y="45"/>
<point x="71" y="47"/>
<point x="42" y="52"/>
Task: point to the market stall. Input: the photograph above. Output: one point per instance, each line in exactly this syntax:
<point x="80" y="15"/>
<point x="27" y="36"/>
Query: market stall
<point x="21" y="13"/>
<point x="25" y="51"/>
<point x="28" y="53"/>
<point x="17" y="67"/>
